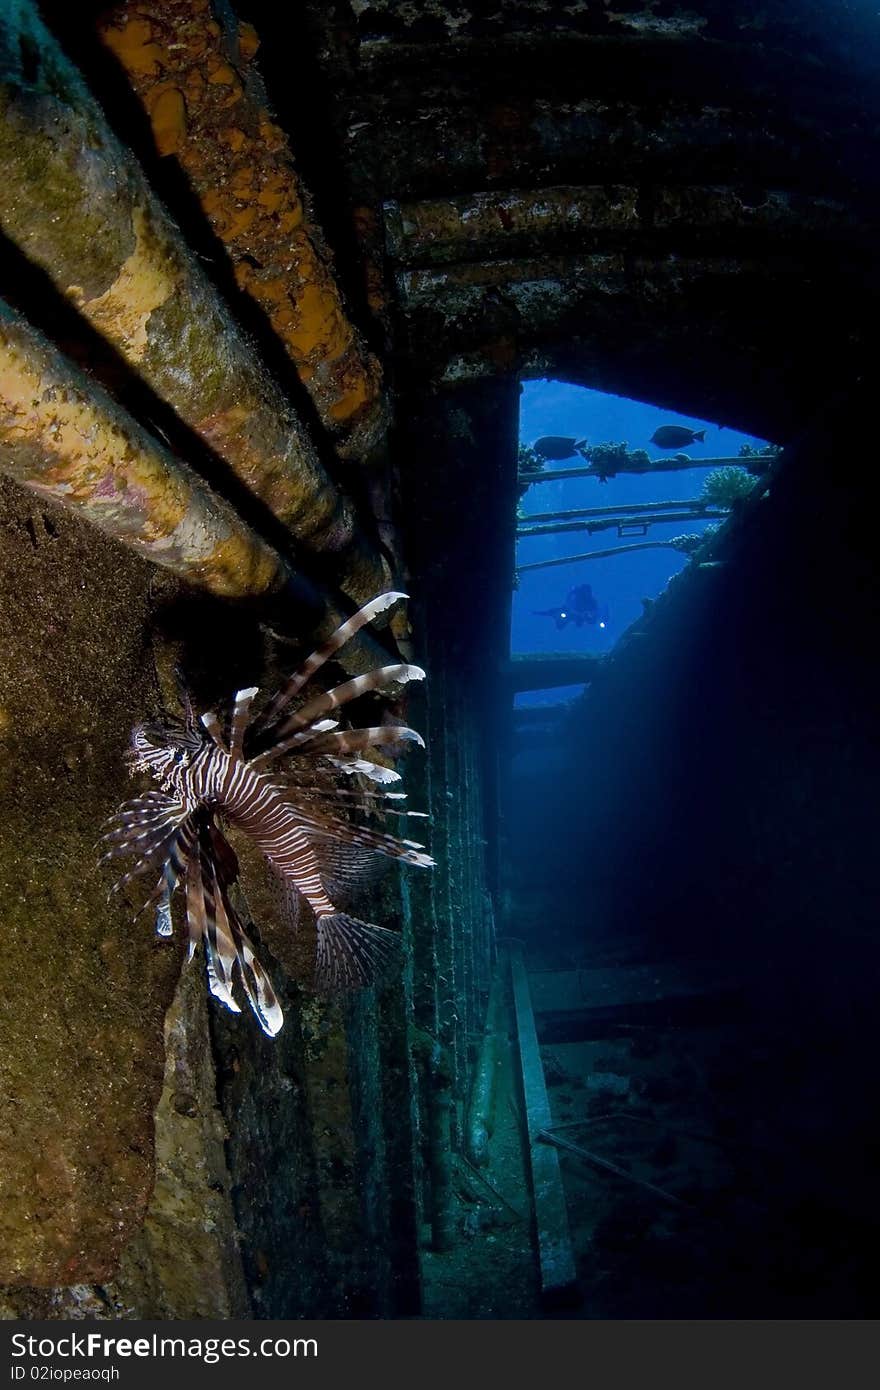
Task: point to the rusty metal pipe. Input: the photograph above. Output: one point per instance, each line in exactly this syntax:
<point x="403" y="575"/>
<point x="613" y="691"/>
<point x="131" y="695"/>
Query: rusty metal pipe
<point x="193" y="68"/>
<point x="65" y="438"/>
<point x="77" y="205"/>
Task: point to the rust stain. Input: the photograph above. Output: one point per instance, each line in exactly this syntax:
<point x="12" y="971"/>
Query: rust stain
<point x="144" y="283"/>
<point x="135" y="48"/>
<point x="69" y="445"/>
<point x="92" y="458"/>
<point x="238" y="163"/>
<point x="168" y="115"/>
<point x="231" y="569"/>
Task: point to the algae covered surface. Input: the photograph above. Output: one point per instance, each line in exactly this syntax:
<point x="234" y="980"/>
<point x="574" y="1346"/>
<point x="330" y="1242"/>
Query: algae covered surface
<point x="86" y="988"/>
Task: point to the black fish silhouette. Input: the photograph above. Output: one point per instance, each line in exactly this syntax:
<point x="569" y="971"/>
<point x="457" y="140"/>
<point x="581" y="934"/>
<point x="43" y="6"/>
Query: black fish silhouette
<point x="557" y="446"/>
<point x="676" y="437"/>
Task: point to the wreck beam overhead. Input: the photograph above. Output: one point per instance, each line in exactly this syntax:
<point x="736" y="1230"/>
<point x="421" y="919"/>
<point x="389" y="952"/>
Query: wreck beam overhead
<point x="550" y="670"/>
<point x="501" y="222"/>
<point x="79" y="207"/>
<point x="66" y="439"/>
<point x="192" y="68"/>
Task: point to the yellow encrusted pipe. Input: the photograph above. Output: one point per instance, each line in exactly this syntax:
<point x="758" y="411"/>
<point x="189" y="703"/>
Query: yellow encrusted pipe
<point x="76" y="204"/>
<point x="64" y="437"/>
<point x="197" y="81"/>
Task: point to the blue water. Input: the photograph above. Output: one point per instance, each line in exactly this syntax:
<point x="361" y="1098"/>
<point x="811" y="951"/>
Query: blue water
<point x="554" y="407"/>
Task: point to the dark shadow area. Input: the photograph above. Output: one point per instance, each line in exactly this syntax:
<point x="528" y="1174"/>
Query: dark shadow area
<point x="715" y="813"/>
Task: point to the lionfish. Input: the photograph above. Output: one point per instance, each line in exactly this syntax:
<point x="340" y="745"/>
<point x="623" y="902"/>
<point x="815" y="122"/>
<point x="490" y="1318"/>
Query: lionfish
<point x="299" y="818"/>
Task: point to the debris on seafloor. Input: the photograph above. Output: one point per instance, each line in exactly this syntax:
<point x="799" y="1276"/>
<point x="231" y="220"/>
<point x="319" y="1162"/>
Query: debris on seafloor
<point x="549" y="1136"/>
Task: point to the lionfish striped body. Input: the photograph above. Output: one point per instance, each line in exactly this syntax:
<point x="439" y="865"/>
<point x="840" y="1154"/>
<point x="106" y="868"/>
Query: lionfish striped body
<point x="299" y="819"/>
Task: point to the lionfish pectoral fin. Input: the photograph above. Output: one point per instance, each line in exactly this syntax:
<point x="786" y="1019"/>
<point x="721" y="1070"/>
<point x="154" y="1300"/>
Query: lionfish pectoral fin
<point x="292" y="909"/>
<point x="255" y="982"/>
<point x="347" y="870"/>
<point x="258" y="988"/>
<point x="353" y="954"/>
<point x="217" y="983"/>
<point x="228" y="951"/>
<point x="164" y="924"/>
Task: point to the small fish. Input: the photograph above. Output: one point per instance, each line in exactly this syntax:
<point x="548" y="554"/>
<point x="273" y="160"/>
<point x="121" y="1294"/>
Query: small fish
<point x="557" y="446"/>
<point x="676" y="437"/>
<point x="580" y="606"/>
<point x="277" y="779"/>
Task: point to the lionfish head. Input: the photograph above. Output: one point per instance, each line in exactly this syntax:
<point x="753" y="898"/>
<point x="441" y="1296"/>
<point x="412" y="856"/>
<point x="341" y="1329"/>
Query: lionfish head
<point x="162" y="748"/>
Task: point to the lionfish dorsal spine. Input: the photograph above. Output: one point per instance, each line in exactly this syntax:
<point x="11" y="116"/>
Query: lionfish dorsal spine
<point x="211" y="722"/>
<point x="322" y="654"/>
<point x="239" y="722"/>
<point x="381" y="678"/>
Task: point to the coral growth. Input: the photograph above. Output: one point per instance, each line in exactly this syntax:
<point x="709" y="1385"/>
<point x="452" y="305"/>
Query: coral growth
<point x="529" y="465"/>
<point x="726" y="486"/>
<point x="608" y="458"/>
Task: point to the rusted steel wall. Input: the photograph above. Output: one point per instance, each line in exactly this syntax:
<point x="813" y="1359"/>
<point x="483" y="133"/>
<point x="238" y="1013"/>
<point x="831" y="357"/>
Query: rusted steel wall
<point x="78" y="206"/>
<point x="193" y="69"/>
<point x="65" y="438"/>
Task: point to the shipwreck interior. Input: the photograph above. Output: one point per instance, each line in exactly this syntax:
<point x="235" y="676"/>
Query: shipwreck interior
<point x="271" y="278"/>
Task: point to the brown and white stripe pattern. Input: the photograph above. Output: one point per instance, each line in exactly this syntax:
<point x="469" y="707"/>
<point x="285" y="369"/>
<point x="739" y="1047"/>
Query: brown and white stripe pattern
<point x="297" y="817"/>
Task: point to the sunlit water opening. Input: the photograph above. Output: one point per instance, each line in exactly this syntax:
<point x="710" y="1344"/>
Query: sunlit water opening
<point x="620" y="582"/>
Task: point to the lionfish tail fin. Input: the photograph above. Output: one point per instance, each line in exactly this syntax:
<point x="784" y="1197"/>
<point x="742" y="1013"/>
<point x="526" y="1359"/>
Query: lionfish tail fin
<point x="353" y="954"/>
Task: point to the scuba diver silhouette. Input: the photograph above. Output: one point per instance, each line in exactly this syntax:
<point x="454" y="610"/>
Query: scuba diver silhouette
<point x="580" y="606"/>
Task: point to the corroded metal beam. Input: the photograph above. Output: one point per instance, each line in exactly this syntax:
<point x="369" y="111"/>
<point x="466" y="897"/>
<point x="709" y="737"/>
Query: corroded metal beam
<point x="591" y="139"/>
<point x="64" y="437"/>
<point x="628" y="509"/>
<point x="555" y="1258"/>
<point x="79" y="207"/>
<point x="477" y="225"/>
<point x="388" y="27"/>
<point x="622" y="524"/>
<point x="597" y="555"/>
<point x="547" y="670"/>
<point x="504" y="222"/>
<point x="673" y="464"/>
<point x="192" y="69"/>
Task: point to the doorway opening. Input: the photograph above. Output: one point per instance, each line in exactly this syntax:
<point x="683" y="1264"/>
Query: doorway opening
<point x="614" y="496"/>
